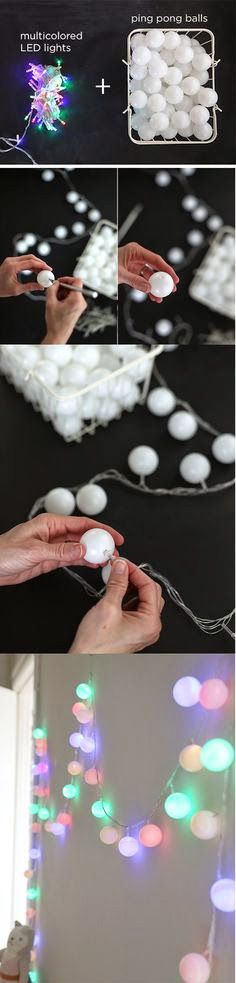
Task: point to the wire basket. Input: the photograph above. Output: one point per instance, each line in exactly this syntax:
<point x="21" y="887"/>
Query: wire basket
<point x="209" y="40"/>
<point x="102" y="224"/>
<point x="199" y="288"/>
<point x="67" y="412"/>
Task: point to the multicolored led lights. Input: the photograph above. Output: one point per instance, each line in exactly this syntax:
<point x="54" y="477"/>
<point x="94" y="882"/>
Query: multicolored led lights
<point x="48" y="84"/>
<point x="215" y="755"/>
<point x="40" y="813"/>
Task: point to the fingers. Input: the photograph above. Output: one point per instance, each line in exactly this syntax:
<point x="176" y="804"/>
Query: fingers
<point x="118" y="582"/>
<point x="60" y="554"/>
<point x="33" y="263"/>
<point x="135" y="281"/>
<point x="149" y="593"/>
<point x="155" y="260"/>
<point x="49" y="526"/>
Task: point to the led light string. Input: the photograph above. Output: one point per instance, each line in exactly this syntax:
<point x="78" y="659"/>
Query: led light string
<point x="39" y="812"/>
<point x="215" y="755"/>
<point x="48" y="84"/>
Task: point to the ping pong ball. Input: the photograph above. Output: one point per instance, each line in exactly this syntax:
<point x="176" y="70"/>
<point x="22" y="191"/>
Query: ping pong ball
<point x="143" y="460"/>
<point x="189" y="758"/>
<point x="106" y="571"/>
<point x="161" y="401"/>
<point x="223" y="448"/>
<point x="205" y="825"/>
<point x="223" y="894"/>
<point x="60" y="500"/>
<point x="161" y="284"/>
<point x="182" y="425"/>
<point x="150" y="835"/>
<point x="213" y="694"/>
<point x="109" y="835"/>
<point x="91" y="499"/>
<point x="194" y="968"/>
<point x="99" y="545"/>
<point x="195" y="468"/>
<point x="45" y="278"/>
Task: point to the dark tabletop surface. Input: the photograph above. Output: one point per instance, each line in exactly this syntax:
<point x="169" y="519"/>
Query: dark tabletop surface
<point x="188" y="540"/>
<point x="163" y="224"/>
<point x="30" y="204"/>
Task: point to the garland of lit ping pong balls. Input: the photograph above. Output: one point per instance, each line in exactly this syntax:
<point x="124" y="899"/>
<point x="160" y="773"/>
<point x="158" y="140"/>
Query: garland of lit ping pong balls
<point x="215" y="755"/>
<point x="39" y="813"/>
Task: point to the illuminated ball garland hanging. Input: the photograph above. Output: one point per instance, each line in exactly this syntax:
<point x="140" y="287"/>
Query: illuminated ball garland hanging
<point x="215" y="755"/>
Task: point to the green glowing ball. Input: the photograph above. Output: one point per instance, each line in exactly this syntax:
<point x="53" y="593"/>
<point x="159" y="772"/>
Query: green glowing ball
<point x="177" y="805"/>
<point x="70" y="791"/>
<point x="100" y="808"/>
<point x="33" y="893"/>
<point x="34" y="808"/>
<point x="39" y="733"/>
<point x="43" y="813"/>
<point x="84" y="691"/>
<point x="217" y="755"/>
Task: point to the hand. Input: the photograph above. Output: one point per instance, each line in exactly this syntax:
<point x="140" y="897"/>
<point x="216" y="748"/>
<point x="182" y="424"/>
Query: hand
<point x="131" y="260"/>
<point x="109" y="628"/>
<point x="45" y="543"/>
<point x="63" y="308"/>
<point x="13" y="265"/>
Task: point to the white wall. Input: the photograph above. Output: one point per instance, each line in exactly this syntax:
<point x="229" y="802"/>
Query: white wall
<point x="7" y="806"/>
<point x="105" y="919"/>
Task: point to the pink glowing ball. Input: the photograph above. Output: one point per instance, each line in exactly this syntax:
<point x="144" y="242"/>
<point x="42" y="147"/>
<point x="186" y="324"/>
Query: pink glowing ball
<point x="36" y="827"/>
<point x="150" y="835"/>
<point x="93" y="777"/>
<point x="75" y="768"/>
<point x="194" y="968"/>
<point x="213" y="694"/>
<point x="109" y="835"/>
<point x="82" y="713"/>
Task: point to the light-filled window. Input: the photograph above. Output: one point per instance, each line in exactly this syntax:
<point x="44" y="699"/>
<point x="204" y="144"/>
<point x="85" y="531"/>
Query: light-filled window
<point x="16" y="722"/>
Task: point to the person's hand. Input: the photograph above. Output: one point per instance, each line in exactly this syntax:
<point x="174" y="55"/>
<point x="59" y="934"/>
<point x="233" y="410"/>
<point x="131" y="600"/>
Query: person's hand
<point x="44" y="544"/>
<point x="131" y="260"/>
<point x="63" y="308"/>
<point x="110" y="628"/>
<point x="12" y="266"/>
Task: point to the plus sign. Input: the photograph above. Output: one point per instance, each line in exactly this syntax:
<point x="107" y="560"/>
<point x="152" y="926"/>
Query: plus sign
<point x="102" y="86"/>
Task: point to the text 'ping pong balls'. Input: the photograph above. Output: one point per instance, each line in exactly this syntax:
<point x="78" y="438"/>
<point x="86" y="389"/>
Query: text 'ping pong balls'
<point x="45" y="278"/>
<point x="161" y="284"/>
<point x="99" y="545"/>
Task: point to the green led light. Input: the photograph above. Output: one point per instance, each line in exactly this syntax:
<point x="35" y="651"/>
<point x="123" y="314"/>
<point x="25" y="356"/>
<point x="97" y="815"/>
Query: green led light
<point x="100" y="808"/>
<point x="217" y="755"/>
<point x="178" y="805"/>
<point x="84" y="691"/>
<point x="34" y="808"/>
<point x="71" y="791"/>
<point x="39" y="733"/>
<point x="43" y="813"/>
<point x="34" y="976"/>
<point x="33" y="893"/>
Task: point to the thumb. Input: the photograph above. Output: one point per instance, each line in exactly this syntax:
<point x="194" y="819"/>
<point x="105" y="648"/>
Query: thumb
<point x="63" y="553"/>
<point x="118" y="582"/>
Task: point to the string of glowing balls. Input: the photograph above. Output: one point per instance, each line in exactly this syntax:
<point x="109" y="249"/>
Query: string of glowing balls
<point x="215" y="755"/>
<point x="39" y="813"/>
